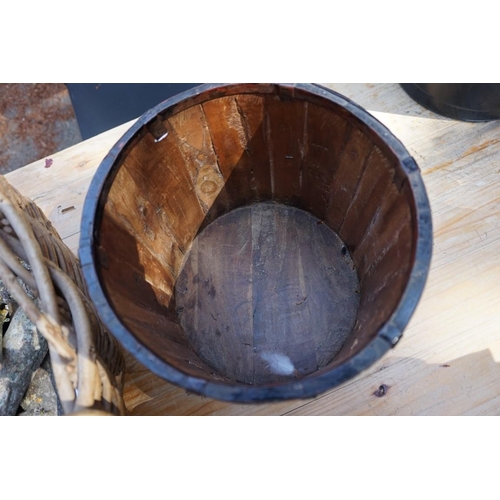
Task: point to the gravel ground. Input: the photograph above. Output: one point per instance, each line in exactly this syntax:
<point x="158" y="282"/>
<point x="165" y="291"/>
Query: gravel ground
<point x="36" y="120"/>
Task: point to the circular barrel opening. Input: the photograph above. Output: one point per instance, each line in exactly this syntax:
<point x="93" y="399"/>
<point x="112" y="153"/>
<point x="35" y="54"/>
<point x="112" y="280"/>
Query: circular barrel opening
<point x="257" y="242"/>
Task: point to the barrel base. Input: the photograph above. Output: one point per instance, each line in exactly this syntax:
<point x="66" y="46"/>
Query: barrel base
<point x="267" y="293"/>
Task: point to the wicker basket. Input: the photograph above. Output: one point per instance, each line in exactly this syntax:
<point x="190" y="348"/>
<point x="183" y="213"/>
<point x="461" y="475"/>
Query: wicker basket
<point x="87" y="362"/>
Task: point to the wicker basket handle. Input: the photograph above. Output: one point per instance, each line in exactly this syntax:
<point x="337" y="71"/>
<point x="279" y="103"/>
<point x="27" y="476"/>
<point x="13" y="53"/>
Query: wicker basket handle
<point x="87" y="363"/>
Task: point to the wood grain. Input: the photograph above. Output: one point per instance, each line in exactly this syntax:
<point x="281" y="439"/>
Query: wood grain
<point x="321" y="158"/>
<point x="267" y="294"/>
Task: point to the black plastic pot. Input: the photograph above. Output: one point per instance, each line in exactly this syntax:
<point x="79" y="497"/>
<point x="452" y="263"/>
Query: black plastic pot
<point x="101" y="106"/>
<point x="472" y="102"/>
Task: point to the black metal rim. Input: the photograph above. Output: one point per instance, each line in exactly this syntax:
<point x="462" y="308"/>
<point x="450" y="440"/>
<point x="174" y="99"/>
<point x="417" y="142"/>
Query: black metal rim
<point x="387" y="336"/>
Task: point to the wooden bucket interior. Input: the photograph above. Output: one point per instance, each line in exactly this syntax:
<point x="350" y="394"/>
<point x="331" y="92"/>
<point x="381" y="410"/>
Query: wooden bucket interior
<point x="291" y="284"/>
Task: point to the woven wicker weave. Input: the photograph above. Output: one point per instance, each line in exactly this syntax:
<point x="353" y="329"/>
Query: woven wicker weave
<point x="87" y="361"/>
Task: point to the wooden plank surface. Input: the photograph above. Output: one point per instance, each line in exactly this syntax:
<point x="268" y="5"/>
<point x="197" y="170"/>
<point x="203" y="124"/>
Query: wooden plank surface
<point x="448" y="361"/>
<point x="239" y="279"/>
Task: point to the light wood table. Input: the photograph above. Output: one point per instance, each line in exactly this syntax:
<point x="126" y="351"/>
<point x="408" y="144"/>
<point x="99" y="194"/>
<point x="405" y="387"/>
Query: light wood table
<point x="448" y="361"/>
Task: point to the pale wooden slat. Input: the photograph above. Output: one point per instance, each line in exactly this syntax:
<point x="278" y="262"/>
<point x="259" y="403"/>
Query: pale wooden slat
<point x="65" y="183"/>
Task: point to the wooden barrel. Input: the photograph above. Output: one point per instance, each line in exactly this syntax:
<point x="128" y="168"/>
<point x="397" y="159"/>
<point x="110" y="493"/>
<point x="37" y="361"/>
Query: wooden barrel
<point x="257" y="242"/>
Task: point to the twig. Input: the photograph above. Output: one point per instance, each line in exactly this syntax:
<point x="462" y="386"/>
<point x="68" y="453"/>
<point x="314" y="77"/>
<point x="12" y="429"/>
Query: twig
<point x="10" y="258"/>
<point x="82" y="379"/>
<point x="87" y="371"/>
<point x="34" y="255"/>
<point x="58" y="348"/>
<point x="47" y="295"/>
<point x="64" y="284"/>
<point x="107" y="378"/>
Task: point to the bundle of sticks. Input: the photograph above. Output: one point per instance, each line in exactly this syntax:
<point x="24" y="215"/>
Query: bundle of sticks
<point x="44" y="278"/>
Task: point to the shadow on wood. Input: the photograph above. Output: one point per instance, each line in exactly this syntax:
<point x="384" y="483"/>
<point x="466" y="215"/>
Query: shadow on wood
<point x="458" y="381"/>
